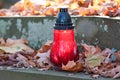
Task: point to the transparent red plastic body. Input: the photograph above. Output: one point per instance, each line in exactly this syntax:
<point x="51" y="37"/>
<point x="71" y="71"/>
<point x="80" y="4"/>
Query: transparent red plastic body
<point x="64" y="47"/>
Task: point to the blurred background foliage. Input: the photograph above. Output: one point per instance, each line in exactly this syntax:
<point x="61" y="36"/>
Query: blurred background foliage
<point x="7" y="3"/>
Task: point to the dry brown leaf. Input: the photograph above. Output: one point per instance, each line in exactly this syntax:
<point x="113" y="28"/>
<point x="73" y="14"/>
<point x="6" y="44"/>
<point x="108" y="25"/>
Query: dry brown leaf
<point x="2" y="51"/>
<point x="43" y="56"/>
<point x="106" y="51"/>
<point x="117" y="75"/>
<point x="46" y="47"/>
<point x="72" y="66"/>
<point x="90" y="7"/>
<point x="115" y="72"/>
<point x="118" y="55"/>
<point x="2" y="41"/>
<point x="24" y="62"/>
<point x="13" y="46"/>
<point x="93" y="56"/>
<point x="3" y="12"/>
<point x="4" y="57"/>
<point x="16" y="48"/>
<point x="98" y="49"/>
<point x="32" y="63"/>
<point x="85" y="3"/>
<point x="11" y="50"/>
<point x="22" y="47"/>
<point x="43" y="60"/>
<point x="49" y="11"/>
<point x="88" y="49"/>
<point x="10" y="42"/>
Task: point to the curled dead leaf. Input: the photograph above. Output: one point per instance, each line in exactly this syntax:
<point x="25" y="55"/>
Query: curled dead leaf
<point x="46" y="47"/>
<point x="73" y="66"/>
<point x="43" y="60"/>
<point x="88" y="49"/>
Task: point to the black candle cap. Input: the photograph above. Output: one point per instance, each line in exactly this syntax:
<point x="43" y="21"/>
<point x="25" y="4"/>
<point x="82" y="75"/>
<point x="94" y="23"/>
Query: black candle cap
<point x="63" y="20"/>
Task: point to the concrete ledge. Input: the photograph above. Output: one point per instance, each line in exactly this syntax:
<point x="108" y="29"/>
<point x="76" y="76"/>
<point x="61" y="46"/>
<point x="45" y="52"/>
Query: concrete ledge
<point x="33" y="74"/>
<point x="102" y="31"/>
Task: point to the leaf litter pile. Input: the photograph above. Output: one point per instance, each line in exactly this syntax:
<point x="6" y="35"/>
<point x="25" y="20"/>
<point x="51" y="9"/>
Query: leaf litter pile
<point x="93" y="60"/>
<point x="76" y="7"/>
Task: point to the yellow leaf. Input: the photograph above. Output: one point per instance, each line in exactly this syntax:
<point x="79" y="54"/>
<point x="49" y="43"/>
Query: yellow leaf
<point x="10" y="49"/>
<point x="94" y="60"/>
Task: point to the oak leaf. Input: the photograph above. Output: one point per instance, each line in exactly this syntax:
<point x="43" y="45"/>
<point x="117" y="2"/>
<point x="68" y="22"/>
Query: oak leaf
<point x="72" y="66"/>
<point x="115" y="72"/>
